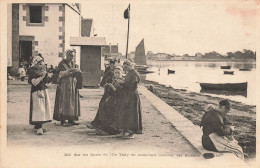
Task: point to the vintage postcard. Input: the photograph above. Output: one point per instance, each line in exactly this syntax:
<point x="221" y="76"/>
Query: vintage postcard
<point x="118" y="83"/>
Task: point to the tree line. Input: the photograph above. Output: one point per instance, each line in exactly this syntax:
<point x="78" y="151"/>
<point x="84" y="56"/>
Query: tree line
<point x="245" y="54"/>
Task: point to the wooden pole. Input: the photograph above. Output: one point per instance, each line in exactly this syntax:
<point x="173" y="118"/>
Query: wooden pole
<point x="128" y="31"/>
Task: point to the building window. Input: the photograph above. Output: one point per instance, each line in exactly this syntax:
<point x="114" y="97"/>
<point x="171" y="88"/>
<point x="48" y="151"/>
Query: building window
<point x="35" y="14"/>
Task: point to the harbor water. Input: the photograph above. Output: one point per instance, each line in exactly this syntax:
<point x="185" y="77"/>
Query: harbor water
<point x="189" y="74"/>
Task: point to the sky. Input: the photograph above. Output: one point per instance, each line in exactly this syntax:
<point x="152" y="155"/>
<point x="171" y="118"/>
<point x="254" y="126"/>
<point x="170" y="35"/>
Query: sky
<point x="180" y="27"/>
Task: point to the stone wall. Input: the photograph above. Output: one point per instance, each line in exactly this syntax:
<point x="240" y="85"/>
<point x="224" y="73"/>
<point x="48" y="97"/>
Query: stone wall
<point x="15" y="39"/>
<point x="46" y="34"/>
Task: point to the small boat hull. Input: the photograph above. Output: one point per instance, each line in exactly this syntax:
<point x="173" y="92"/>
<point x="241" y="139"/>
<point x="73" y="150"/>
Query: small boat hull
<point x="229" y="72"/>
<point x="171" y="71"/>
<point x="144" y="71"/>
<point x="224" y="86"/>
<point x="225" y="67"/>
<point x="244" y="69"/>
<point x="226" y="92"/>
<point x="141" y="67"/>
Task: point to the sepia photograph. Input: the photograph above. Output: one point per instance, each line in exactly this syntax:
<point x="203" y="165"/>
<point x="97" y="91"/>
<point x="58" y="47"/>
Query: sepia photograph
<point x="129" y="83"/>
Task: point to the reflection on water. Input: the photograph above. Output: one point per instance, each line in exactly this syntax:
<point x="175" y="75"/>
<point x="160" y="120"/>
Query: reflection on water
<point x="188" y="75"/>
<point x="244" y="65"/>
<point x="198" y="65"/>
<point x="212" y="65"/>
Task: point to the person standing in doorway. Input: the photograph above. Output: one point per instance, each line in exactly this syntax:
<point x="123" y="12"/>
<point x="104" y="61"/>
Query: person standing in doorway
<point x="67" y="104"/>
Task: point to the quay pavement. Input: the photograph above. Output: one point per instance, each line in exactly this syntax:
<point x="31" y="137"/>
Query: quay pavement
<point x="167" y="137"/>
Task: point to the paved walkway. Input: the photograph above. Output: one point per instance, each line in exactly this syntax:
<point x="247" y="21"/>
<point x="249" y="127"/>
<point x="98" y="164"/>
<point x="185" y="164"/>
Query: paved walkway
<point x="191" y="132"/>
<point x="159" y="138"/>
<point x="167" y="134"/>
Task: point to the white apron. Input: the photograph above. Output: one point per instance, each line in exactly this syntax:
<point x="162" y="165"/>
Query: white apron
<point x="223" y="144"/>
<point x="41" y="109"/>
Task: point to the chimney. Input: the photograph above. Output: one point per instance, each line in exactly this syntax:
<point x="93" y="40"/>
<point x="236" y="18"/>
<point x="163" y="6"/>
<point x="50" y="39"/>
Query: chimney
<point x="86" y="25"/>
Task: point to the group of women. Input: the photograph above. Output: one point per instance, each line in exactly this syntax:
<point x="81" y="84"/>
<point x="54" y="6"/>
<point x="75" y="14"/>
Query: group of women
<point x="119" y="111"/>
<point x="67" y="105"/>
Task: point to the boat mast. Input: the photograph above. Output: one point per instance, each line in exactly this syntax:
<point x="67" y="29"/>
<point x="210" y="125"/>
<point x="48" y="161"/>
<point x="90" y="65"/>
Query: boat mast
<point x="128" y="30"/>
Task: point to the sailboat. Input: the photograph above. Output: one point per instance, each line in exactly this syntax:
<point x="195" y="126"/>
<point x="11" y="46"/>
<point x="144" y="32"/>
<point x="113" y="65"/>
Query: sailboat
<point x="140" y="59"/>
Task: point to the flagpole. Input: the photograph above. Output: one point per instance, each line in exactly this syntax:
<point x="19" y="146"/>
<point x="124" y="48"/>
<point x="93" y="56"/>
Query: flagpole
<point x="128" y="32"/>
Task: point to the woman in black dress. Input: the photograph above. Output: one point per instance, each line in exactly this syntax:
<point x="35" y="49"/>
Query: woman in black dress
<point x="129" y="117"/>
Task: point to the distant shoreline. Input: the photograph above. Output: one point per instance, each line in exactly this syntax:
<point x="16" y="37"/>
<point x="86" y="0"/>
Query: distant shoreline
<point x="210" y="60"/>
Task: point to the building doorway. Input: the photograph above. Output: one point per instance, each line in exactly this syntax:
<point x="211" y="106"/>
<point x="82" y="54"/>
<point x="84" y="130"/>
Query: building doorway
<point x="90" y="65"/>
<point x="25" y="52"/>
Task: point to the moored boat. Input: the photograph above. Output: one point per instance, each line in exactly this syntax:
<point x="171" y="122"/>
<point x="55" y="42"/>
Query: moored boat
<point x="229" y="72"/>
<point x="141" y="67"/>
<point x="145" y="71"/>
<point x="225" y="67"/>
<point x="140" y="59"/>
<point x="226" y="92"/>
<point x="244" y="69"/>
<point x="224" y="86"/>
<point x="171" y="71"/>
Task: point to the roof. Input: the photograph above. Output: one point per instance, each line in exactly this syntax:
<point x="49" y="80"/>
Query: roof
<point x="88" y="41"/>
<point x="75" y="6"/>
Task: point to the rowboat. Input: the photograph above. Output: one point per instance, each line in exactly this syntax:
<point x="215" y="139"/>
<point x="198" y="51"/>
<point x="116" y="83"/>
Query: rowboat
<point x="224" y="86"/>
<point x="141" y="67"/>
<point x="145" y="71"/>
<point x="229" y="72"/>
<point x="171" y="71"/>
<point x="225" y="67"/>
<point x="226" y="92"/>
<point x="244" y="69"/>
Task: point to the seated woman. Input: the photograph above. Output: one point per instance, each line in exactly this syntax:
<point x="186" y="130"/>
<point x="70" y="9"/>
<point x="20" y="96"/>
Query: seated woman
<point x="107" y="107"/>
<point x="217" y="134"/>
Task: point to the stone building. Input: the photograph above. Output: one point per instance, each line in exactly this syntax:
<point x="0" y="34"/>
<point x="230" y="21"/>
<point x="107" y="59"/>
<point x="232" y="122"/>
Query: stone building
<point x="110" y="51"/>
<point x="45" y="28"/>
